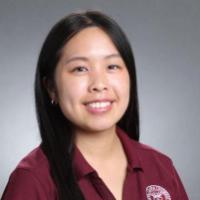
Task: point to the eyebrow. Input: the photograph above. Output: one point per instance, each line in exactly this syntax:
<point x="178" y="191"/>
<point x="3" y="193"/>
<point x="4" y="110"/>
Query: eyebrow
<point x="87" y="59"/>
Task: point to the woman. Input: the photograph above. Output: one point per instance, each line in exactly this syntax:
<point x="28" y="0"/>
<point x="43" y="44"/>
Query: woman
<point x="87" y="110"/>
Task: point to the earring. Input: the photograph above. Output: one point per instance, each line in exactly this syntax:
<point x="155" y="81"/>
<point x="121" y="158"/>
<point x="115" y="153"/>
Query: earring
<point x="52" y="102"/>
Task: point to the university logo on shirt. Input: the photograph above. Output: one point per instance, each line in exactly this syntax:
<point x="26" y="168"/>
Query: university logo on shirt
<point x="156" y="192"/>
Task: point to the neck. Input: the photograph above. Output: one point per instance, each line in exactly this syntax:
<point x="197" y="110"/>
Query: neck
<point x="99" y="145"/>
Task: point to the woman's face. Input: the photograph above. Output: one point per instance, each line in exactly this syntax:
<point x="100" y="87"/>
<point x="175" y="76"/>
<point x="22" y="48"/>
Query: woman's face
<point x="92" y="82"/>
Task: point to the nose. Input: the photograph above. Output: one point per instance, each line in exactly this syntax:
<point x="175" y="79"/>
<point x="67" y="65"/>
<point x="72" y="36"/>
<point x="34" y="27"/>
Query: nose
<point x="98" y="83"/>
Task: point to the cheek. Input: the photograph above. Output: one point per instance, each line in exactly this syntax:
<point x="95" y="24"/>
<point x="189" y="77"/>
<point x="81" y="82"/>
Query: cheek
<point x="70" y="90"/>
<point x="122" y="85"/>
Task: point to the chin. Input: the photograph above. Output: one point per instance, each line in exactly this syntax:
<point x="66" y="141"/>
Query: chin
<point x="100" y="128"/>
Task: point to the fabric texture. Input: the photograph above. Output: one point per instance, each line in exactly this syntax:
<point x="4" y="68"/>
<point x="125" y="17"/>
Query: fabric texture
<point x="150" y="175"/>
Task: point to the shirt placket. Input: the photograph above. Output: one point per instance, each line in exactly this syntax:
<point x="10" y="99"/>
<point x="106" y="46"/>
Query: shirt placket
<point x="101" y="188"/>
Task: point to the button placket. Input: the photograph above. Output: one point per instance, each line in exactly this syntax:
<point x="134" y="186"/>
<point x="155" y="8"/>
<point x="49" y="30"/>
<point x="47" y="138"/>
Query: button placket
<point x="101" y="187"/>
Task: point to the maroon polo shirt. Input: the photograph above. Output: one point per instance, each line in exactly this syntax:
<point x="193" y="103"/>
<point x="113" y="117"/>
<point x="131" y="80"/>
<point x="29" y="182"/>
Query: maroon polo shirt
<point x="150" y="176"/>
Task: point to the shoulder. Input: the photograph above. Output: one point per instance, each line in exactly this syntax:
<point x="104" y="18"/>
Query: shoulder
<point x="147" y="158"/>
<point x="31" y="178"/>
<point x="157" y="166"/>
<point x="148" y="153"/>
<point x="159" y="169"/>
<point x="153" y="160"/>
<point x="142" y="153"/>
<point x="35" y="162"/>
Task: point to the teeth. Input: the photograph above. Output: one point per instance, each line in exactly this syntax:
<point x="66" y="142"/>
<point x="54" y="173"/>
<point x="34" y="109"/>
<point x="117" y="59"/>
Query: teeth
<point x="99" y="104"/>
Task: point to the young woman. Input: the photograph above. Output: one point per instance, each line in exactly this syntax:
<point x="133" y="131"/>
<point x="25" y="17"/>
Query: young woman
<point x="87" y="110"/>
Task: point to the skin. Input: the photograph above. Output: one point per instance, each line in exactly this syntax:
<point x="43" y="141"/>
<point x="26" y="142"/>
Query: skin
<point x="91" y="68"/>
<point x="84" y="73"/>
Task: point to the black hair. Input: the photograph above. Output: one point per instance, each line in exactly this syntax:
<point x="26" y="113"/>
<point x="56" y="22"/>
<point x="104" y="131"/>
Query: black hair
<point x="55" y="129"/>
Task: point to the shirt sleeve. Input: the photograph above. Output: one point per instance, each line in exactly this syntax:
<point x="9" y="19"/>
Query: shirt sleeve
<point x="179" y="188"/>
<point x="23" y="185"/>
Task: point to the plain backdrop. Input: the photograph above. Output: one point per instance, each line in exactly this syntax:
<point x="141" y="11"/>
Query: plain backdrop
<point x="165" y="36"/>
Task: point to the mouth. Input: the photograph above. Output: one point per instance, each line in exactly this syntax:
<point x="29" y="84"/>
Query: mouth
<point x="99" y="106"/>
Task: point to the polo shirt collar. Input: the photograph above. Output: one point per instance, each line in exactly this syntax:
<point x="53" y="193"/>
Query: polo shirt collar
<point x="80" y="164"/>
<point x="131" y="150"/>
<point x="83" y="168"/>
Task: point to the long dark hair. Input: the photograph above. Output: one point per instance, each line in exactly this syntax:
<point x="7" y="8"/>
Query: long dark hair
<point x="56" y="131"/>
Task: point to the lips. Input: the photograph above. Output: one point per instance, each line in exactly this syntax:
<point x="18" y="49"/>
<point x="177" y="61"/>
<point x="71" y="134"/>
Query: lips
<point x="99" y="106"/>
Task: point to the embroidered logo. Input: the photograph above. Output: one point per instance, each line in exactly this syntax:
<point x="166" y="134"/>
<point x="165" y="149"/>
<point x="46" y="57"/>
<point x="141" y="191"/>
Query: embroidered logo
<point x="156" y="192"/>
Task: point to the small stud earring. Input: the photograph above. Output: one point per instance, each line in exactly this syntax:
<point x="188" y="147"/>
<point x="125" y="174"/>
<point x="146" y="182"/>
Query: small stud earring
<point x="52" y="102"/>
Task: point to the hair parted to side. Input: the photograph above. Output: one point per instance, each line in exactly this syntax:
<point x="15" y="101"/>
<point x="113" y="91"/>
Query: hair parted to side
<point x="56" y="131"/>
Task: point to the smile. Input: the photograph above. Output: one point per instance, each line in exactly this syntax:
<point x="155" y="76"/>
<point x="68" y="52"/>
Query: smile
<point x="99" y="104"/>
<point x="99" y="107"/>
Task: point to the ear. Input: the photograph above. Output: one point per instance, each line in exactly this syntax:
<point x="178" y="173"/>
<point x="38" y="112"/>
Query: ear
<point x="48" y="84"/>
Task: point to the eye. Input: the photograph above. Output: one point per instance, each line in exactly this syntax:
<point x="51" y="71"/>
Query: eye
<point x="113" y="67"/>
<point x="80" y="69"/>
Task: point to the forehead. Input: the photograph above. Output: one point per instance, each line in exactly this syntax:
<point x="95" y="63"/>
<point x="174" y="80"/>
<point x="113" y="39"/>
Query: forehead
<point x="91" y="41"/>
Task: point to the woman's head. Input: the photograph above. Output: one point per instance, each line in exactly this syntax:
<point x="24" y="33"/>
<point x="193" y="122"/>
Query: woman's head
<point x="85" y="57"/>
<point x="91" y="82"/>
<point x="81" y="29"/>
